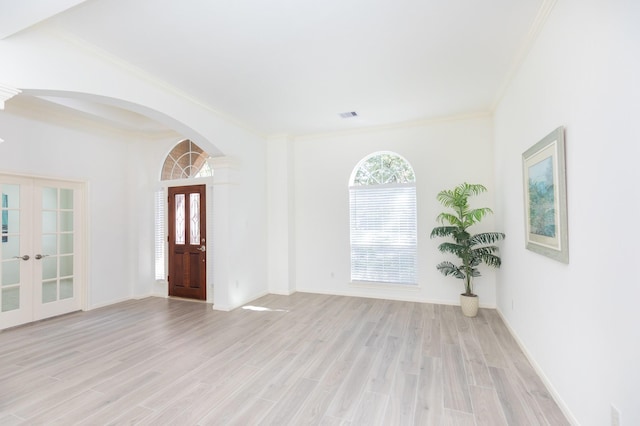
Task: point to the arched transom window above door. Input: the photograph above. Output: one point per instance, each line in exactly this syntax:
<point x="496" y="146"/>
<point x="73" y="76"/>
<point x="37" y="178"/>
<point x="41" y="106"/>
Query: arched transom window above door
<point x="185" y="161"/>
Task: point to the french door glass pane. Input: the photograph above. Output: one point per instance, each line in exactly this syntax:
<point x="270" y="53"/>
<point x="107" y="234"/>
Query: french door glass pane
<point x="49" y="291"/>
<point x="49" y="198"/>
<point x="10" y="272"/>
<point x="49" y="244"/>
<point x="10" y="299"/>
<point x="195" y="218"/>
<point x="49" y="267"/>
<point x="49" y="222"/>
<point x="66" y="243"/>
<point x="66" y="221"/>
<point x="10" y="247"/>
<point x="13" y="221"/>
<point x="66" y="288"/>
<point x="180" y="219"/>
<point x="66" y="266"/>
<point x="66" y="199"/>
<point x="11" y="196"/>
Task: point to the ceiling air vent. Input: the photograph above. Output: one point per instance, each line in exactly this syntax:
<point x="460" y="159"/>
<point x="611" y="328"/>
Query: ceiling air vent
<point x="348" y="114"/>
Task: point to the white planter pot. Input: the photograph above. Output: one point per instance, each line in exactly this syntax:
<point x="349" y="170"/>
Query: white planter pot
<point x="469" y="305"/>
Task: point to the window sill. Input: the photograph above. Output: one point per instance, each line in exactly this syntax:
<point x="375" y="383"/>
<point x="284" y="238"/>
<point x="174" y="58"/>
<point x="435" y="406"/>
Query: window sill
<point x="388" y="286"/>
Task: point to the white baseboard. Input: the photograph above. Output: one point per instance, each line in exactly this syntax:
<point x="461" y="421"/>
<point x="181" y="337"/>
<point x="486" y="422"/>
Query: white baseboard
<point x="112" y="302"/>
<point x="401" y="297"/>
<point x="554" y="393"/>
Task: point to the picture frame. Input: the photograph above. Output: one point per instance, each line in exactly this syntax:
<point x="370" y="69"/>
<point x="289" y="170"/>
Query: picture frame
<point x="545" y="197"/>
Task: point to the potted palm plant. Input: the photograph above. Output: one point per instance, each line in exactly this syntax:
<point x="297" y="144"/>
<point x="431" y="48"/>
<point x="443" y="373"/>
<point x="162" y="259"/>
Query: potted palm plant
<point x="471" y="249"/>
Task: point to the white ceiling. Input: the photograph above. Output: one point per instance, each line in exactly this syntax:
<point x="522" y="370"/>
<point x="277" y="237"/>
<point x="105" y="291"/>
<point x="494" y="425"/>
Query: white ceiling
<point x="290" y="66"/>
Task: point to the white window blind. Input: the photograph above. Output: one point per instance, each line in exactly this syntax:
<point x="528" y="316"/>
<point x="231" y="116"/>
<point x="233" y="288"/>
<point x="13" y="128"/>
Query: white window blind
<point x="384" y="233"/>
<point x="159" y="233"/>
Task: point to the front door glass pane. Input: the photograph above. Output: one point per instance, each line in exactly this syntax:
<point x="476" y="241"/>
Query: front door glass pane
<point x="194" y="207"/>
<point x="180" y="219"/>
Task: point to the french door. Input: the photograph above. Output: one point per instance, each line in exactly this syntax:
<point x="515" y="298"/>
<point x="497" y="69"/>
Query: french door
<point x="40" y="249"/>
<point x="187" y="242"/>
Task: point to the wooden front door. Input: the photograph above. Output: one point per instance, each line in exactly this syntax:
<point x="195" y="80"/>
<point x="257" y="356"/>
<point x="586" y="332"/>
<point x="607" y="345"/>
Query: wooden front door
<point x="187" y="242"/>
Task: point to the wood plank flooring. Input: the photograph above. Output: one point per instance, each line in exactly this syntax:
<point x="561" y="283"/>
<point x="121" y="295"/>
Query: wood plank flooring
<point x="287" y="360"/>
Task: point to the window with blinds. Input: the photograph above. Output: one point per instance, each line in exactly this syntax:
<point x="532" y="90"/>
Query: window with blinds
<point x="159" y="234"/>
<point x="383" y="221"/>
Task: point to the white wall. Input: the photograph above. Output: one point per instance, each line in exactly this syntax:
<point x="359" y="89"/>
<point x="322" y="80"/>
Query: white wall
<point x="443" y="155"/>
<point x="76" y="69"/>
<point x="578" y="321"/>
<point x="39" y="148"/>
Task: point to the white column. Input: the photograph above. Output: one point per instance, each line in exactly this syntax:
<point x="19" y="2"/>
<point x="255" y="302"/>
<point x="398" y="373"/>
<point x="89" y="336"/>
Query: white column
<point x="218" y="235"/>
<point x="281" y="223"/>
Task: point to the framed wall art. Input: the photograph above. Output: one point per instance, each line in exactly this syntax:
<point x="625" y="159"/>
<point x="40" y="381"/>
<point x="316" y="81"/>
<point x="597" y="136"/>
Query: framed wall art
<point x="545" y="197"/>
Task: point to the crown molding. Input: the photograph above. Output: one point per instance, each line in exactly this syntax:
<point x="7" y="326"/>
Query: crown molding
<point x="7" y="93"/>
<point x="534" y="30"/>
<point x="395" y="126"/>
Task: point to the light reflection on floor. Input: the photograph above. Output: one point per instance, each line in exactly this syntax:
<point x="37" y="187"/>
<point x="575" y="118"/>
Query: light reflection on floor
<point x="262" y="309"/>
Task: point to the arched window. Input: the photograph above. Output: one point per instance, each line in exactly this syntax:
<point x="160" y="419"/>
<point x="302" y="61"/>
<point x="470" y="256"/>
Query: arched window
<point x="382" y="201"/>
<point x="186" y="160"/>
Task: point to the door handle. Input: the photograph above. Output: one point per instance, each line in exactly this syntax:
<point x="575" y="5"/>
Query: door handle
<point x="25" y="257"/>
<point x="40" y="256"/>
<point x="202" y="248"/>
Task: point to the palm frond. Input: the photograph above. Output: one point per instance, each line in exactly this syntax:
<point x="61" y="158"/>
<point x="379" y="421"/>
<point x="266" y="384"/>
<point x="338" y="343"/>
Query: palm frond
<point x="476" y="215"/>
<point x="452" y="248"/>
<point x="481" y="251"/>
<point x="491" y="260"/>
<point x="446" y="198"/>
<point x="448" y="268"/>
<point x="487" y="238"/>
<point x="450" y="219"/>
<point x="443" y="231"/>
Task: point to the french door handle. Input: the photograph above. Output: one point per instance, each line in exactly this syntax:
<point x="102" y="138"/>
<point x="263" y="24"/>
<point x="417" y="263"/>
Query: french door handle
<point x="25" y="257"/>
<point x="40" y="256"/>
<point x="202" y="248"/>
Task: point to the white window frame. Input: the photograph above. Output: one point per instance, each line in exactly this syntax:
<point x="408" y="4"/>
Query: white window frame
<point x="383" y="234"/>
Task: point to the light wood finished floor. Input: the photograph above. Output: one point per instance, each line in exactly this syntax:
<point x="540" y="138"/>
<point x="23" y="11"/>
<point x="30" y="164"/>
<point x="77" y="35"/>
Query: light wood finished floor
<point x="300" y="359"/>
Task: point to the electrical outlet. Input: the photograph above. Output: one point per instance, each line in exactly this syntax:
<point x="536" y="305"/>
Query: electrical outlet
<point x="615" y="416"/>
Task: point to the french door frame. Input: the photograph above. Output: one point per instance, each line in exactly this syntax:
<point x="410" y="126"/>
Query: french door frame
<point x="35" y="184"/>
